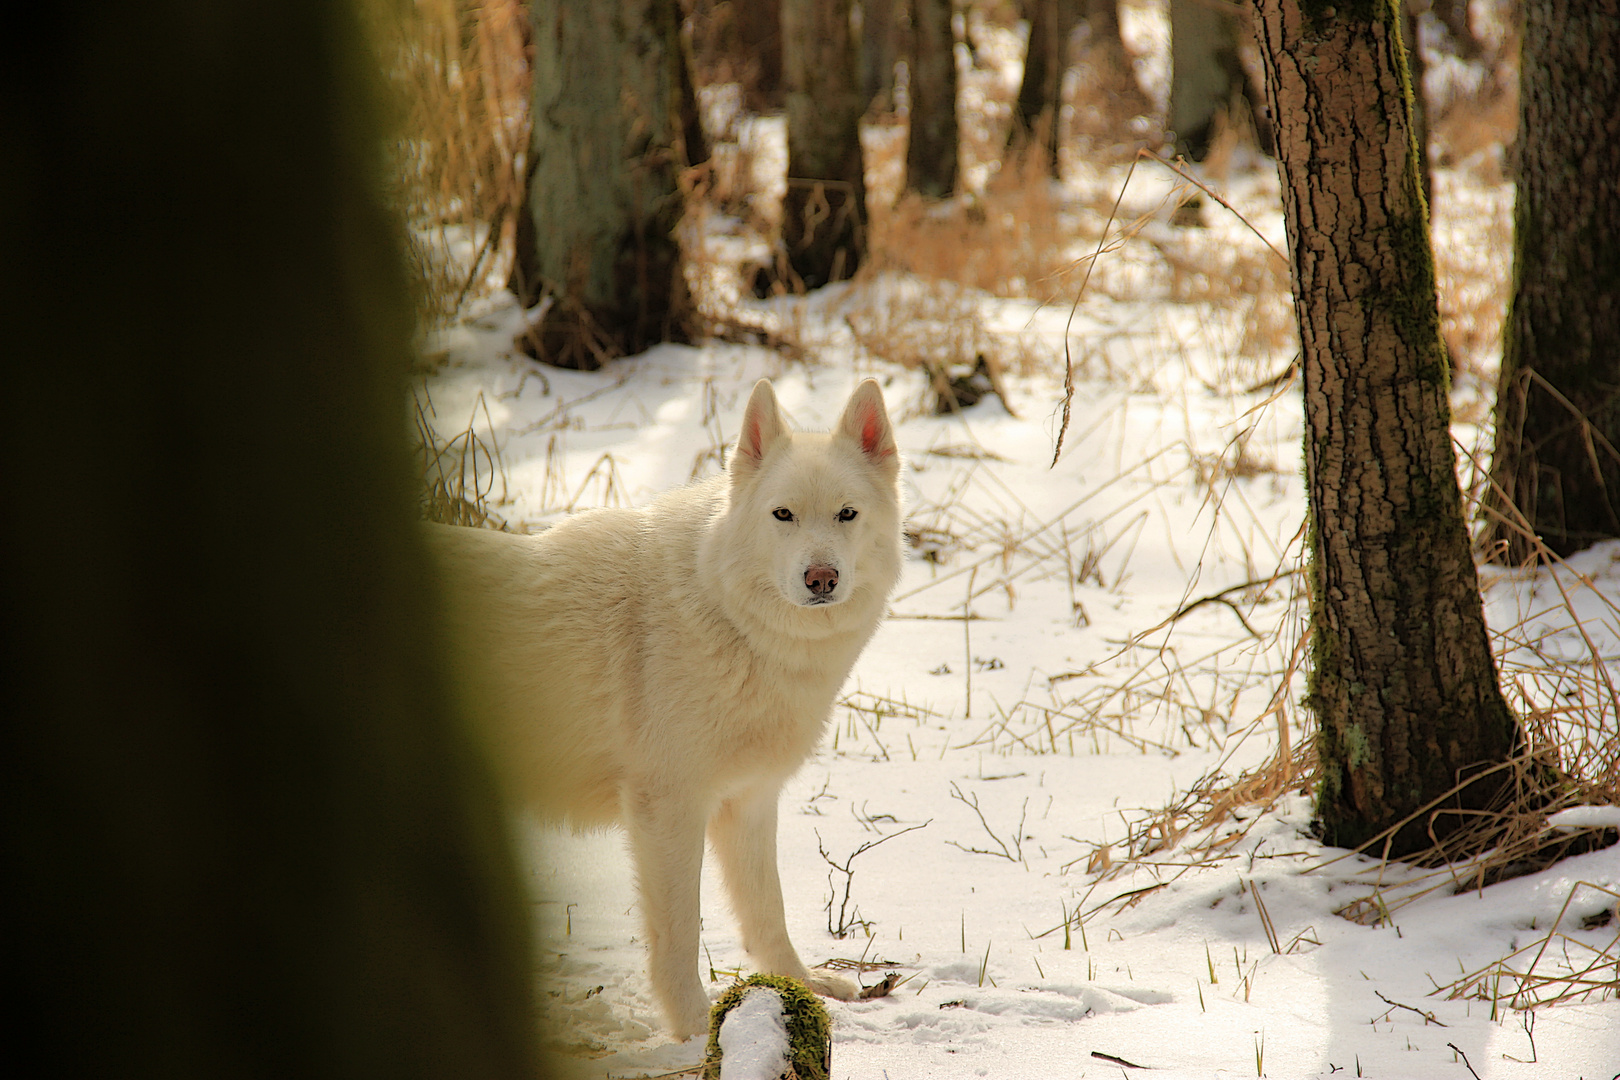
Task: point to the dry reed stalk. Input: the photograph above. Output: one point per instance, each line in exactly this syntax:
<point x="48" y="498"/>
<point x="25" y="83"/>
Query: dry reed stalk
<point x="459" y="475"/>
<point x="460" y="79"/>
<point x="1591" y="973"/>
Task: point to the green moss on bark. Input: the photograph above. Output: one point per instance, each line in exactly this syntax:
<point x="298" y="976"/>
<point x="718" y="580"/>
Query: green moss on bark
<point x="809" y="1027"/>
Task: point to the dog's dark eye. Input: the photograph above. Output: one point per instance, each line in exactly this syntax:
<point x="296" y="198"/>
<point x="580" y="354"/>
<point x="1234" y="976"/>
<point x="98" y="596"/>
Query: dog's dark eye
<point x="846" y="514"/>
<point x="782" y="513"/>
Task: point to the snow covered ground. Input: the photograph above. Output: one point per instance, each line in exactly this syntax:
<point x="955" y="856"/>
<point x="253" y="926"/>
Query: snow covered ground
<point x="1046" y="682"/>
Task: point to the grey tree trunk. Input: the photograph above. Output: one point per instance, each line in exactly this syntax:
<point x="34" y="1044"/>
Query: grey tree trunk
<point x="824" y="211"/>
<point x="613" y="124"/>
<point x="1038" y="109"/>
<point x="1558" y="398"/>
<point x="244" y="828"/>
<point x="1403" y="683"/>
<point x="931" y="152"/>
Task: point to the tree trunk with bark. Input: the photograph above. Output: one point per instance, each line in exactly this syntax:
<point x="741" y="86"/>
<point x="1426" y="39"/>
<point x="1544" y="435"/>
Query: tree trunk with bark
<point x="931" y="156"/>
<point x="824" y="210"/>
<point x="614" y="123"/>
<point x="1403" y="683"/>
<point x="1557" y="454"/>
<point x="1038" y="109"/>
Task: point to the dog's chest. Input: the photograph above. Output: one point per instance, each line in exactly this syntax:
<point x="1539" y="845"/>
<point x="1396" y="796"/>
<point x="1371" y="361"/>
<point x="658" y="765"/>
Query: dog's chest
<point x="743" y="705"/>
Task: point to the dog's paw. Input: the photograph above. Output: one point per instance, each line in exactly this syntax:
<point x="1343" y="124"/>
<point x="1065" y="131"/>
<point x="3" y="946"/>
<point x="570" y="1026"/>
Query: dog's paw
<point x="831" y="984"/>
<point x="686" y="1012"/>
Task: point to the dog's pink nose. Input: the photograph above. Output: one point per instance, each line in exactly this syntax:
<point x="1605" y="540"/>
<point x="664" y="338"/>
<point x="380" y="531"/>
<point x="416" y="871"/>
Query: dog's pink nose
<point x="821" y="580"/>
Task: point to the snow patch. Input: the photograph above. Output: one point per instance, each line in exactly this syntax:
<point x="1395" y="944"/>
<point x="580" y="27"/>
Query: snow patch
<point x="754" y="1038"/>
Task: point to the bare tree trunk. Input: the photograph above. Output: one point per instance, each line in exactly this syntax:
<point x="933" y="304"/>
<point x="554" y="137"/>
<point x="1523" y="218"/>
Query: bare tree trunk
<point x="824" y="211"/>
<point x="931" y="151"/>
<point x="1558" y="398"/>
<point x="1403" y="683"/>
<point x="612" y="116"/>
<point x="1038" y="109"/>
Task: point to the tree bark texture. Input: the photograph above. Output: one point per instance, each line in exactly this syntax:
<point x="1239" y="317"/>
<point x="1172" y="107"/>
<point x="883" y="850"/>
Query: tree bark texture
<point x="611" y="130"/>
<point x="1403" y="683"/>
<point x="931" y="156"/>
<point x="1038" y="109"/>
<point x="244" y="828"/>
<point x="824" y="210"/>
<point x="1558" y="396"/>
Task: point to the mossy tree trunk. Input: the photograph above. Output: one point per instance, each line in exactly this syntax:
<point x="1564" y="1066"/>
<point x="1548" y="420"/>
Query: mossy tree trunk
<point x="824" y="211"/>
<point x="614" y="124"/>
<point x="1403" y="683"/>
<point x="931" y="156"/>
<point x="1038" y="109"/>
<point x="1558" y="398"/>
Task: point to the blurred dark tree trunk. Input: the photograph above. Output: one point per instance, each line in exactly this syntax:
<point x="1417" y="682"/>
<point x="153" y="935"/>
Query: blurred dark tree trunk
<point x="880" y="49"/>
<point x="524" y="278"/>
<point x="1038" y="109"/>
<point x="1453" y="15"/>
<point x="931" y="151"/>
<point x="615" y="122"/>
<point x="824" y="211"/>
<point x="1105" y="50"/>
<point x="1207" y="80"/>
<point x="1403" y="683"/>
<point x="245" y="833"/>
<point x="1558" y="398"/>
<point x="739" y="41"/>
<point x="759" y="35"/>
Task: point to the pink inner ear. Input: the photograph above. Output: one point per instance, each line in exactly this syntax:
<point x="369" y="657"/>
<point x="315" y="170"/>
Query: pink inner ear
<point x="751" y="440"/>
<point x="871" y="432"/>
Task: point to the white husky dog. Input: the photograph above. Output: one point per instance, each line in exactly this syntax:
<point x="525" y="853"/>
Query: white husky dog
<point x="670" y="667"/>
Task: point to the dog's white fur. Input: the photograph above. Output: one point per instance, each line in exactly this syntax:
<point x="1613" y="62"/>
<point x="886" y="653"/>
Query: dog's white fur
<point x="670" y="667"/>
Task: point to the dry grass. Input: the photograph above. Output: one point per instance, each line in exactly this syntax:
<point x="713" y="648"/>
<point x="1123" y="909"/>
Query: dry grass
<point x="463" y="478"/>
<point x="460" y="82"/>
<point x="1012" y="240"/>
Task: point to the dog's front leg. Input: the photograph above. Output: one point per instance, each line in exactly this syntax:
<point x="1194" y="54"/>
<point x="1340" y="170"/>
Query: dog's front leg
<point x="743" y="833"/>
<point x="666" y="842"/>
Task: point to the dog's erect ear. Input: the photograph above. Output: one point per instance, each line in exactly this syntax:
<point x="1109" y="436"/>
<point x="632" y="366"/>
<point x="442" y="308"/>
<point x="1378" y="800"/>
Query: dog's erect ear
<point x="762" y="425"/>
<point x="867" y="422"/>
